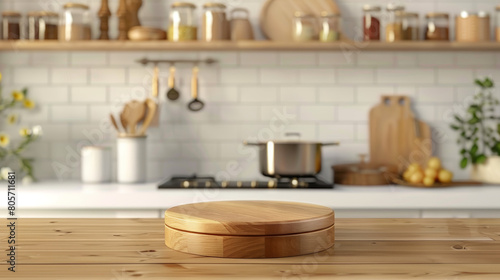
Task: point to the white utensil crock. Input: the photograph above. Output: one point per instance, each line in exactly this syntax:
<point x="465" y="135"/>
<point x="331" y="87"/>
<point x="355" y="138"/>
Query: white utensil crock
<point x="131" y="158"/>
<point x="96" y="164"/>
<point x="489" y="172"/>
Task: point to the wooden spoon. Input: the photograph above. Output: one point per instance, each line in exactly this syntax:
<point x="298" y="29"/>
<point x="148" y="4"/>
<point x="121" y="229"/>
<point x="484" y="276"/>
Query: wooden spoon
<point x="134" y="112"/>
<point x="115" y="124"/>
<point x="152" y="106"/>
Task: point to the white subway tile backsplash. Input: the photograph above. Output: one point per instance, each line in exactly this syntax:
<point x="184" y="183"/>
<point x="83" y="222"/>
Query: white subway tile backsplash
<point x="69" y="76"/>
<point x="298" y="58"/>
<point x="317" y="76"/>
<point x="372" y="94"/>
<point x="259" y="58"/>
<point x="336" y="59"/>
<point x="336" y="132"/>
<point x="353" y="112"/>
<point x="317" y="113"/>
<point x="107" y="76"/>
<point x="274" y="114"/>
<point x="355" y="76"/>
<point x="215" y="132"/>
<point x="49" y="94"/>
<point x="199" y="150"/>
<point x="406" y="58"/>
<point x="259" y="94"/>
<point x="279" y="76"/>
<point x="475" y="59"/>
<point x="50" y="59"/>
<point x="15" y="58"/>
<point x="435" y="94"/>
<point x="362" y="132"/>
<point x="298" y="94"/>
<point x="218" y="94"/>
<point x="125" y="58"/>
<point x="239" y="113"/>
<point x="405" y="76"/>
<point x="337" y="94"/>
<point x="88" y="94"/>
<point x="88" y="58"/>
<point x="436" y="59"/>
<point x="239" y="76"/>
<point x="69" y="113"/>
<point x="376" y="59"/>
<point x="455" y="76"/>
<point x="31" y="75"/>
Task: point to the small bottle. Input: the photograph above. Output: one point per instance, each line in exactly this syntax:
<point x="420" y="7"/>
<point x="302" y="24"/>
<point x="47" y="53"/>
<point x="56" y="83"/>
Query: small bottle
<point x="437" y="27"/>
<point x="329" y="27"/>
<point x="410" y="26"/>
<point x="394" y="26"/>
<point x="11" y="25"/>
<point x="182" y="23"/>
<point x="304" y="27"/>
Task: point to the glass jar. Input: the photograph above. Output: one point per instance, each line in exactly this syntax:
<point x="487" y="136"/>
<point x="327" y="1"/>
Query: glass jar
<point x="304" y="27"/>
<point x="42" y="25"/>
<point x="394" y="26"/>
<point x="74" y="23"/>
<point x="410" y="26"/>
<point x="11" y="25"/>
<point x="215" y="23"/>
<point x="472" y="27"/>
<point x="182" y="24"/>
<point x="437" y="27"/>
<point x="497" y="28"/>
<point x="371" y="23"/>
<point x="329" y="27"/>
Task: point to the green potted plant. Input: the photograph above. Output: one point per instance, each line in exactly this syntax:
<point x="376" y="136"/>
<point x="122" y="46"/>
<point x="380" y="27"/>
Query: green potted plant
<point x="479" y="134"/>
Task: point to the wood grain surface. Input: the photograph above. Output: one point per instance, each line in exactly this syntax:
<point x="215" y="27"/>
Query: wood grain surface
<point x="249" y="217"/>
<point x="117" y="249"/>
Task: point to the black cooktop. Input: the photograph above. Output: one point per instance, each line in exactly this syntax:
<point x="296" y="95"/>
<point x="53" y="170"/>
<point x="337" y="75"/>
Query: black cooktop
<point x="195" y="182"/>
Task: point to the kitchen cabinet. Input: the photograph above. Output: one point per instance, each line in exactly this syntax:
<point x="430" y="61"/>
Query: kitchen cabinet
<point x="364" y="249"/>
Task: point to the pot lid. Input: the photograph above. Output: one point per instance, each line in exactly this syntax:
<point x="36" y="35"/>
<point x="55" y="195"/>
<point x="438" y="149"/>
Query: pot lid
<point x="249" y="217"/>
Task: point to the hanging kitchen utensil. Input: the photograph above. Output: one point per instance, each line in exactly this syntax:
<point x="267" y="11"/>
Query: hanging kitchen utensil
<point x="172" y="93"/>
<point x="115" y="124"/>
<point x="134" y="112"/>
<point x="396" y="138"/>
<point x="364" y="174"/>
<point x="151" y="105"/>
<point x="124" y="123"/>
<point x="195" y="105"/>
<point x="155" y="89"/>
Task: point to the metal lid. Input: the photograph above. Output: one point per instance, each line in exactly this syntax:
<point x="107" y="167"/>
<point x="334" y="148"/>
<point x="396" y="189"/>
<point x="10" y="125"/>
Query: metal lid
<point x="394" y="7"/>
<point x="75" y="5"/>
<point x="370" y="8"/>
<point x="43" y="14"/>
<point x="299" y="14"/>
<point x="437" y="15"/>
<point x="183" y="5"/>
<point x="11" y="14"/>
<point x="407" y="14"/>
<point x="214" y="5"/>
<point x="326" y="14"/>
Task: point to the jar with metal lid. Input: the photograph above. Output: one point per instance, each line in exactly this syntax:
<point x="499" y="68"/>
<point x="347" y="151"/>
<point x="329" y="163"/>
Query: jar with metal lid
<point x="371" y="23"/>
<point x="304" y="27"/>
<point x="182" y="23"/>
<point x="329" y="27"/>
<point x="215" y="23"/>
<point x="437" y="27"/>
<point x="11" y="25"/>
<point x="472" y="27"/>
<point x="410" y="26"/>
<point x="42" y="25"/>
<point x="497" y="28"/>
<point x="394" y="26"/>
<point x="74" y="23"/>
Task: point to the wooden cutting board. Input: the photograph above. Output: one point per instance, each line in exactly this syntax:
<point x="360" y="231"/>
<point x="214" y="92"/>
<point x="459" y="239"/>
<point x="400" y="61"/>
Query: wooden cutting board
<point x="276" y="17"/>
<point x="249" y="229"/>
<point x="396" y="137"/>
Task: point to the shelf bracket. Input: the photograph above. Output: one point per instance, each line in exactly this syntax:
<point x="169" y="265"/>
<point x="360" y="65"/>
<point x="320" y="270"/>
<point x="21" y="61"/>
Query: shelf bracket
<point x="146" y="61"/>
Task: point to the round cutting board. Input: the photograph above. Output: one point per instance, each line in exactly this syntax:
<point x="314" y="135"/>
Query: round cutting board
<point x="249" y="217"/>
<point x="276" y="17"/>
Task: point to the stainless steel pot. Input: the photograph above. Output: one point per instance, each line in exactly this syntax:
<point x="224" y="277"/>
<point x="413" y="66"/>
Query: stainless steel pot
<point x="290" y="158"/>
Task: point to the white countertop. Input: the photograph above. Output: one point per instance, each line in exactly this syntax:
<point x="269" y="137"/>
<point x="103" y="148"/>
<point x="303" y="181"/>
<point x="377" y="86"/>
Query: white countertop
<point x="76" y="195"/>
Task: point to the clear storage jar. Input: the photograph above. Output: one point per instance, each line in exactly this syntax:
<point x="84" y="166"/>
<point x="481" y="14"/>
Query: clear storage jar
<point x="304" y="27"/>
<point x="437" y="27"/>
<point x="182" y="22"/>
<point x="330" y="26"/>
<point x="42" y="25"/>
<point x="11" y="25"/>
<point x="410" y="26"/>
<point x="74" y="23"/>
<point x="215" y="23"/>
<point x="371" y="22"/>
<point x="394" y="26"/>
<point x="497" y="25"/>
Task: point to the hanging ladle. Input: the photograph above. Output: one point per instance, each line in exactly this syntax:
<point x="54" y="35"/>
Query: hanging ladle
<point x="172" y="93"/>
<point x="195" y="105"/>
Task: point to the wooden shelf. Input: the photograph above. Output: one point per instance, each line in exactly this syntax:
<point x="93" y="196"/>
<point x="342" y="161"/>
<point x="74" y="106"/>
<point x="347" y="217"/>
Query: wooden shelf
<point x="243" y="46"/>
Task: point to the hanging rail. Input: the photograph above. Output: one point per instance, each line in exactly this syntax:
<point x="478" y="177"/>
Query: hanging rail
<point x="146" y="61"/>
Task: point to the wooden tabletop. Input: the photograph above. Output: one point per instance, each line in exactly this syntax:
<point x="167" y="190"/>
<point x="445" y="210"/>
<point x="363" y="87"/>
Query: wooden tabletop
<point x="119" y="249"/>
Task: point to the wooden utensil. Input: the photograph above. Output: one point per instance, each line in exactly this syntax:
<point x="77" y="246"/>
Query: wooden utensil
<point x="172" y="93"/>
<point x="396" y="137"/>
<point x="142" y="33"/>
<point x="123" y="20"/>
<point x="249" y="229"/>
<point x="124" y="123"/>
<point x="133" y="7"/>
<point x="115" y="124"/>
<point x="151" y="105"/>
<point x="364" y="174"/>
<point x="276" y="18"/>
<point x="154" y="92"/>
<point x="134" y="112"/>
<point x="104" y="14"/>
<point x="402" y="182"/>
<point x="195" y="105"/>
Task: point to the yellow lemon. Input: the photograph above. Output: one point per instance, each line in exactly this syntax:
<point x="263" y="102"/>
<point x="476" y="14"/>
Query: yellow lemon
<point x="445" y="176"/>
<point x="4" y="140"/>
<point x="429" y="181"/>
<point x="29" y="104"/>
<point x="17" y="95"/>
<point x="24" y="132"/>
<point x="434" y="163"/>
<point x="417" y="177"/>
<point x="414" y="167"/>
<point x="431" y="173"/>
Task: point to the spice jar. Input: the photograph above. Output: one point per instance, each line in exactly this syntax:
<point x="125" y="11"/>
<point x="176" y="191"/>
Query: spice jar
<point x="11" y="25"/>
<point x="74" y="23"/>
<point x="410" y="26"/>
<point x="437" y="27"/>
<point x="42" y="25"/>
<point x="472" y="27"/>
<point x="182" y="24"/>
<point x="371" y="23"/>
<point x="304" y="27"/>
<point x="329" y="27"/>
<point x="394" y="27"/>
<point x="215" y="23"/>
<point x="497" y="29"/>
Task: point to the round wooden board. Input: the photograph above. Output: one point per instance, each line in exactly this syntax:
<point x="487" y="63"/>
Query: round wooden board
<point x="250" y="247"/>
<point x="276" y="17"/>
<point x="249" y="217"/>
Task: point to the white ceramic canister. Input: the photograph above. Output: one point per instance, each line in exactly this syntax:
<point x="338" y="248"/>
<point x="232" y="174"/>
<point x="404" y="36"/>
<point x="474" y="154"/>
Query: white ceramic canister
<point x="96" y="164"/>
<point x="131" y="158"/>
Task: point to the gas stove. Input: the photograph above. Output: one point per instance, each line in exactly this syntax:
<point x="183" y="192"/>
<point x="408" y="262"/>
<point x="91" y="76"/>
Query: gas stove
<point x="195" y="182"/>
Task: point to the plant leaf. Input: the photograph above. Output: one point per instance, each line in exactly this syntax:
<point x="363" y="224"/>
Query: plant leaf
<point x="481" y="159"/>
<point x="474" y="150"/>
<point x="474" y="120"/>
<point x="464" y="162"/>
<point x="455" y="127"/>
<point x="459" y="119"/>
<point x="488" y="83"/>
<point x="498" y="128"/>
<point x="479" y="83"/>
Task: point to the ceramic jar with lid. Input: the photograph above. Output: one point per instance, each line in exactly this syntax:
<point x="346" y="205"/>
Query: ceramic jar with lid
<point x="304" y="27"/>
<point x="74" y="22"/>
<point x="215" y="23"/>
<point x="182" y="22"/>
<point x="11" y="25"/>
<point x="42" y="25"/>
<point x="437" y="27"/>
<point x="472" y="27"/>
<point x="394" y="26"/>
<point x="410" y="26"/>
<point x="329" y="27"/>
<point x="371" y="22"/>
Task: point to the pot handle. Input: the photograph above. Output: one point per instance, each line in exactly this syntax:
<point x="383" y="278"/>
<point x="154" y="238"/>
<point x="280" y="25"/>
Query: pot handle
<point x="330" y="144"/>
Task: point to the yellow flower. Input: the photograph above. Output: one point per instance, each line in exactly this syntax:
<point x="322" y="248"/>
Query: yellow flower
<point x="29" y="104"/>
<point x="25" y="132"/>
<point x="12" y="119"/>
<point x="0" y="77"/>
<point x="4" y="140"/>
<point x="17" y="95"/>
